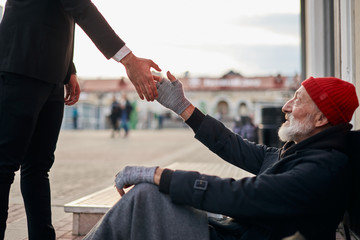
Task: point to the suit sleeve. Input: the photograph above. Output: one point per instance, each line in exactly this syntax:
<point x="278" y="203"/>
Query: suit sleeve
<point x="87" y="16"/>
<point x="72" y="68"/>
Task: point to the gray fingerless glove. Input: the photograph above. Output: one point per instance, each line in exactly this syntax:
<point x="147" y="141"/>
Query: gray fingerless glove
<point x="171" y="95"/>
<point x="132" y="175"/>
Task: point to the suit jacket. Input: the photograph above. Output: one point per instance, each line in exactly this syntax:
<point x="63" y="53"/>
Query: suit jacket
<point x="37" y="36"/>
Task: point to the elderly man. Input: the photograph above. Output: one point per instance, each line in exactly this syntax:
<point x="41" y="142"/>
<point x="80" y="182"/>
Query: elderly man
<point x="298" y="189"/>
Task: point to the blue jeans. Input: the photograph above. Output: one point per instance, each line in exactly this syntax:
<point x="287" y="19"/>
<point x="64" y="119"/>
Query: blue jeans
<point x="124" y="124"/>
<point x="31" y="113"/>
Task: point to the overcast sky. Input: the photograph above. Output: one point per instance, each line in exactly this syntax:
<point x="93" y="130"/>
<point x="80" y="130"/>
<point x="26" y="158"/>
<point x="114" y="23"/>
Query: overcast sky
<point x="204" y="37"/>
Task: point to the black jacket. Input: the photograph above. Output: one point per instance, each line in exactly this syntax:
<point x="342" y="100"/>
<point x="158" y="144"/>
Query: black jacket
<point x="37" y="36"/>
<point x="301" y="187"/>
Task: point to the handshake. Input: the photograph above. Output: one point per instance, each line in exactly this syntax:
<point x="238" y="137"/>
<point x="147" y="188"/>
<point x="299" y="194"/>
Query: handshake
<point x="171" y="94"/>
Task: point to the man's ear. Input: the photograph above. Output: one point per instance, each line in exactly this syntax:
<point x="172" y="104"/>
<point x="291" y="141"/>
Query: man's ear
<point x="320" y="120"/>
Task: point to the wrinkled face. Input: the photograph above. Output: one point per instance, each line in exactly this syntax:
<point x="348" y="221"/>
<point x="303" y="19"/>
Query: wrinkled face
<point x="300" y="117"/>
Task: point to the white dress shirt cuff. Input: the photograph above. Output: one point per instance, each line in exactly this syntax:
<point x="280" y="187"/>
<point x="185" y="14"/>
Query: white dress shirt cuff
<point x="121" y="53"/>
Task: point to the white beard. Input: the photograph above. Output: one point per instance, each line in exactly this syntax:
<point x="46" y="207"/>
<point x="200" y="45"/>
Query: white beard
<point x="294" y="130"/>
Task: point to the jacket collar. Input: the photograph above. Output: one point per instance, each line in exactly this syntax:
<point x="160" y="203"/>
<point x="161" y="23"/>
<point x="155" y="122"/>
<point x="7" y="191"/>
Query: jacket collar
<point x="333" y="137"/>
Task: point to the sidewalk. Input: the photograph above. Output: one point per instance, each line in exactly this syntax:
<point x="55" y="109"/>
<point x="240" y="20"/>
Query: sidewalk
<point x="87" y="161"/>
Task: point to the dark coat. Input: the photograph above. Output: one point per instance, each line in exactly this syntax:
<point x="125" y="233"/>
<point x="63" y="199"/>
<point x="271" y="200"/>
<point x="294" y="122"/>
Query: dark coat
<point x="37" y="36"/>
<point x="300" y="187"/>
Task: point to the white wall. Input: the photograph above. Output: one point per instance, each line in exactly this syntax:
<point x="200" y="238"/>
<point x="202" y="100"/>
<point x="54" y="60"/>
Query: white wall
<point x="1" y="12"/>
<point x="314" y="38"/>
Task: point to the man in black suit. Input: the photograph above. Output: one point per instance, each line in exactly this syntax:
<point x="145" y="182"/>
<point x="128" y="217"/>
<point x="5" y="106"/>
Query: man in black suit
<point x="36" y="52"/>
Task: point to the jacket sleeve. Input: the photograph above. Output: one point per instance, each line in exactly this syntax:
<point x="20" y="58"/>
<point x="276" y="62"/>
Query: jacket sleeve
<point x="231" y="147"/>
<point x="306" y="188"/>
<point x="72" y="68"/>
<point x="87" y="16"/>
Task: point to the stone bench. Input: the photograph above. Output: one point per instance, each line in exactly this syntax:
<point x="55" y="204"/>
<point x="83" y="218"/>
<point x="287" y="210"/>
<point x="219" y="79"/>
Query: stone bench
<point x="87" y="211"/>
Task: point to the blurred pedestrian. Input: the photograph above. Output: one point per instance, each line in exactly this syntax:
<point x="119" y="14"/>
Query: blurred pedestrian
<point x="125" y="111"/>
<point x="237" y="125"/>
<point x="114" y="117"/>
<point x="160" y="121"/>
<point x="75" y="116"/>
<point x="248" y="130"/>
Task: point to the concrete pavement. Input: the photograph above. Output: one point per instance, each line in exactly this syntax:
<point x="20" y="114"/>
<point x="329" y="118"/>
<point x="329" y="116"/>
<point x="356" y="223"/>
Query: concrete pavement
<point x="87" y="161"/>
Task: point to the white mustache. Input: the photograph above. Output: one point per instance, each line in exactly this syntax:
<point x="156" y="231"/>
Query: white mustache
<point x="289" y="117"/>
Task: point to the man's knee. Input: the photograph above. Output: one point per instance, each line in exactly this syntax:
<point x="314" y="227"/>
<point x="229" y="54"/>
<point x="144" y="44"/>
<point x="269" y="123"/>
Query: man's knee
<point x="144" y="189"/>
<point x="144" y="194"/>
<point x="141" y="196"/>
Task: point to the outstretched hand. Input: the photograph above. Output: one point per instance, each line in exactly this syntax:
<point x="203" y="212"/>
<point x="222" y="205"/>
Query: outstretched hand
<point x="138" y="71"/>
<point x="171" y="94"/>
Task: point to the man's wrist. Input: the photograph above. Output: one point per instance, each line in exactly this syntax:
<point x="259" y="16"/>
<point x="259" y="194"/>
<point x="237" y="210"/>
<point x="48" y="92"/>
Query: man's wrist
<point x="186" y="114"/>
<point x="123" y="52"/>
<point x="157" y="175"/>
<point x="128" y="60"/>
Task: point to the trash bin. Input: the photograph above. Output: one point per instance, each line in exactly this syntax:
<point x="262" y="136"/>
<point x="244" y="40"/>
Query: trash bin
<point x="272" y="118"/>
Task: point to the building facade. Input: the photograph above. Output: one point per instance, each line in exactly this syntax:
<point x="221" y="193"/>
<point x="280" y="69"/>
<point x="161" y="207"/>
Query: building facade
<point x="227" y="98"/>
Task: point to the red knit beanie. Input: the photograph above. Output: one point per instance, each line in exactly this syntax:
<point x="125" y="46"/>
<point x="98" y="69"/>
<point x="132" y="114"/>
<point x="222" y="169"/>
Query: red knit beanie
<point x="335" y="98"/>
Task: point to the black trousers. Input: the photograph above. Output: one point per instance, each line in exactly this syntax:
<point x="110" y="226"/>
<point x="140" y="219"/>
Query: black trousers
<point x="31" y="113"/>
